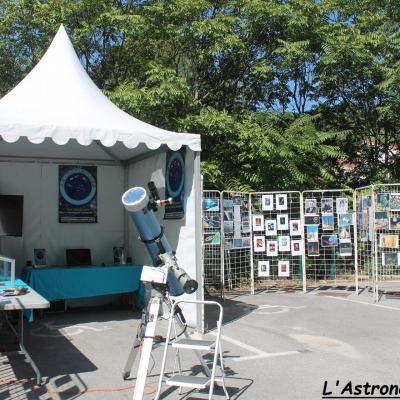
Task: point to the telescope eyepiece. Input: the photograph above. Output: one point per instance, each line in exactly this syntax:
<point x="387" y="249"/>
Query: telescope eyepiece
<point x="190" y="286"/>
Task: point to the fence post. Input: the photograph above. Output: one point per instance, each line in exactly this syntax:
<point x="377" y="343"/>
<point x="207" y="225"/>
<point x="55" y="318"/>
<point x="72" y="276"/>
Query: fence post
<point x="251" y="245"/>
<point x="222" y="245"/>
<point x="375" y="241"/>
<point x="303" y="255"/>
<point x="355" y="220"/>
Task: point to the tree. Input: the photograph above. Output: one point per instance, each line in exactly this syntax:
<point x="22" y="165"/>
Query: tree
<point x="358" y="63"/>
<point x="283" y="92"/>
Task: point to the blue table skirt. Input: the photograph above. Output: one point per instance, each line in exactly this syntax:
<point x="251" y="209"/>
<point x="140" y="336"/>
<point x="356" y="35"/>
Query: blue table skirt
<point x="7" y="284"/>
<point x="61" y="283"/>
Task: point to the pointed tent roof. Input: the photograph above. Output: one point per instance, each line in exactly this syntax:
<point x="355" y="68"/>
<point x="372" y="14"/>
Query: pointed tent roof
<point x="58" y="100"/>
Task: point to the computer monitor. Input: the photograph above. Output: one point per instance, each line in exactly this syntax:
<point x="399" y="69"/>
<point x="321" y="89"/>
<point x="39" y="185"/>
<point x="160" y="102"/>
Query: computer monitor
<point x="78" y="257"/>
<point x="11" y="213"/>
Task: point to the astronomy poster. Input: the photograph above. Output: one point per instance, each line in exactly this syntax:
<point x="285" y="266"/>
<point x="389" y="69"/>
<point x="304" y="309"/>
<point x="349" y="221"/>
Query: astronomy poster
<point x="77" y="194"/>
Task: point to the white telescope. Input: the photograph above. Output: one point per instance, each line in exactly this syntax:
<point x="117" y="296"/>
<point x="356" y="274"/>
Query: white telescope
<point x="136" y="201"/>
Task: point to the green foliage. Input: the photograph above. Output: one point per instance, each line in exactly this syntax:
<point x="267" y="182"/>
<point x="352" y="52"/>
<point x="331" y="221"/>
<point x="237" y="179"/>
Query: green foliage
<point x="286" y="94"/>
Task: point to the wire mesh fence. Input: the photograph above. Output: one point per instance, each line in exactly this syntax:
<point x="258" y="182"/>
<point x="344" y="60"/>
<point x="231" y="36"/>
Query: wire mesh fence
<point x="277" y="239"/>
<point x="386" y="207"/>
<point x="212" y="240"/>
<point x="330" y="233"/>
<point x="365" y="238"/>
<point x="236" y="241"/>
<point x="256" y="240"/>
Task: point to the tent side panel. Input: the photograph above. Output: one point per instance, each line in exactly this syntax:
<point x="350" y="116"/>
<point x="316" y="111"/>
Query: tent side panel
<point x="181" y="234"/>
<point x="41" y="229"/>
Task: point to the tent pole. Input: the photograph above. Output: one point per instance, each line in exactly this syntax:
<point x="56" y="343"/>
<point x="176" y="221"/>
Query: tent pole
<point x="198" y="237"/>
<point x="126" y="167"/>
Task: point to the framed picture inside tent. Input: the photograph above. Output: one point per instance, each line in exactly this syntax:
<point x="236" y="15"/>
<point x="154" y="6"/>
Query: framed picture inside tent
<point x="77" y="194"/>
<point x="175" y="184"/>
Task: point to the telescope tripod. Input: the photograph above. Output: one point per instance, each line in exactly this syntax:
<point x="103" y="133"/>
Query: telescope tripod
<point x="145" y="338"/>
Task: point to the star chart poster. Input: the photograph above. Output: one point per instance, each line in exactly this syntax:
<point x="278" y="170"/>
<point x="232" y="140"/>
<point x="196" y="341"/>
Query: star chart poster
<point x="77" y="194"/>
<point x="175" y="184"/>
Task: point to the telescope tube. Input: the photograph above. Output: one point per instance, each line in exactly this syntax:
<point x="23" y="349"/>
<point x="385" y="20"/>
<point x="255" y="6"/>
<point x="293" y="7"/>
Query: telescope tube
<point x="135" y="201"/>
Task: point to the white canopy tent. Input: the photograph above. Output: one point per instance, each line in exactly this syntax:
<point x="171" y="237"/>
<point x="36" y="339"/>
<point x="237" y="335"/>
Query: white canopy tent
<point x="56" y="115"/>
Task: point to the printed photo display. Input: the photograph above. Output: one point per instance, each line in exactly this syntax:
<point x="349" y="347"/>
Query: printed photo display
<point x="212" y="238"/>
<point x="267" y="202"/>
<point x="272" y="248"/>
<point x="365" y="220"/>
<point x="345" y="249"/>
<point x="270" y="227"/>
<point x="281" y="201"/>
<point x="245" y="222"/>
<point x="211" y="222"/>
<point x="296" y="246"/>
<point x="342" y="205"/>
<point x="344" y="234"/>
<point x="395" y="223"/>
<point x="263" y="269"/>
<point x="311" y="220"/>
<point x="211" y="204"/>
<point x="282" y="222"/>
<point x="313" y="249"/>
<point x="310" y="206"/>
<point x="366" y="201"/>
<point x="228" y="244"/>
<point x="345" y="219"/>
<point x="283" y="268"/>
<point x="284" y="243"/>
<point x="395" y="201"/>
<point x="295" y="227"/>
<point x="237" y="243"/>
<point x="237" y="221"/>
<point x="328" y="222"/>
<point x="329" y="240"/>
<point x="391" y="259"/>
<point x="389" y="241"/>
<point x="228" y="204"/>
<point x="237" y="201"/>
<point x="228" y="222"/>
<point x="381" y="220"/>
<point x="258" y="223"/>
<point x="382" y="202"/>
<point x="259" y="244"/>
<point x="326" y="206"/>
<point x="246" y="242"/>
<point x="312" y="233"/>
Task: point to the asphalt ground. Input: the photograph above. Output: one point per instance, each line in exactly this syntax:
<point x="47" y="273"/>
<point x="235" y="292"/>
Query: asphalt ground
<point x="277" y="345"/>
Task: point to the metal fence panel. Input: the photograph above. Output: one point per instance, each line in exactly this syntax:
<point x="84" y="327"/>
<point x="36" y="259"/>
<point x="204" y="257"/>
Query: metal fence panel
<point x="330" y="231"/>
<point x="277" y="239"/>
<point x="212" y="240"/>
<point x="236" y="236"/>
<point x="365" y="207"/>
<point x="386" y="226"/>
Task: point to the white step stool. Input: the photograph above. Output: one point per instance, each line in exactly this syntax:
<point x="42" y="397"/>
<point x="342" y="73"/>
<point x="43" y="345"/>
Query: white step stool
<point x="214" y="346"/>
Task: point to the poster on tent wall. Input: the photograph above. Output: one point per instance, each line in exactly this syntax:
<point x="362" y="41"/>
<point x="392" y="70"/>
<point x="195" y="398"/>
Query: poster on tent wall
<point x="175" y="184"/>
<point x="77" y="194"/>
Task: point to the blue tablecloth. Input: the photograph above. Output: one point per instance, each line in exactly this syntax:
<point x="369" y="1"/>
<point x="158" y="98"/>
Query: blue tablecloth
<point x="17" y="283"/>
<point x="61" y="283"/>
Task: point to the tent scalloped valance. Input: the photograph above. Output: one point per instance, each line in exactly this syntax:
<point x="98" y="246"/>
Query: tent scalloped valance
<point x="129" y="143"/>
